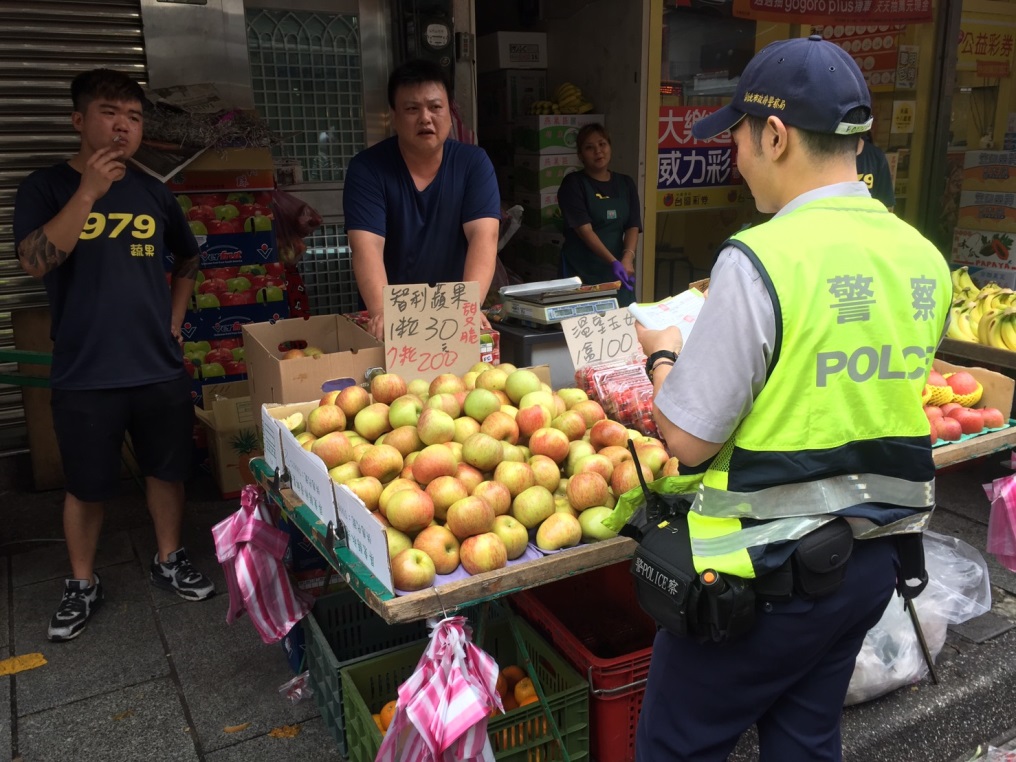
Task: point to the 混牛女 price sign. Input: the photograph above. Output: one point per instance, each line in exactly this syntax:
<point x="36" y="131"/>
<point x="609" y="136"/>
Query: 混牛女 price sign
<point x="600" y="338"/>
<point x="431" y="330"/>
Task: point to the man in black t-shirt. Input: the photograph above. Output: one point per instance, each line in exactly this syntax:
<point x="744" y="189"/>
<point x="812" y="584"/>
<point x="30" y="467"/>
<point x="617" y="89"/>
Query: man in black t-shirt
<point x="97" y="233"/>
<point x="873" y="171"/>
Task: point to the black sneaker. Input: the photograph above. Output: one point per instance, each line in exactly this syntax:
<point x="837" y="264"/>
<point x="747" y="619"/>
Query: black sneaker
<point x="178" y="575"/>
<point x="76" y="608"/>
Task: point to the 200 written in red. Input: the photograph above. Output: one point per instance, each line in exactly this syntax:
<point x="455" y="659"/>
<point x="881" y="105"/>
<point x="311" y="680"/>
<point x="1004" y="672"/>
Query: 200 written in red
<point x="421" y="362"/>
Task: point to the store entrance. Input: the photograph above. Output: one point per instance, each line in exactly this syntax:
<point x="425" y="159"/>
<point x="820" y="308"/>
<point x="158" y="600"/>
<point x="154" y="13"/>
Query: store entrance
<point x="699" y="194"/>
<point x="700" y="198"/>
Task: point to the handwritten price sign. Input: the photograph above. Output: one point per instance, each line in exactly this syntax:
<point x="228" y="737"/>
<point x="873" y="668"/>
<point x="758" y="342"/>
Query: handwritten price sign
<point x="431" y="330"/>
<point x="599" y="338"/>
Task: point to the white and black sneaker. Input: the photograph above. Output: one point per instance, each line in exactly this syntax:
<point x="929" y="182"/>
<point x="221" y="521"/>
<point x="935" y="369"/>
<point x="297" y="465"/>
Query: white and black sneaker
<point x="178" y="575"/>
<point x="78" y="604"/>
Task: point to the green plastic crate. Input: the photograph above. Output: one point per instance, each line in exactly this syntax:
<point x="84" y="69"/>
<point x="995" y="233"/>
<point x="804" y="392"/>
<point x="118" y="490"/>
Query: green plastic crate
<point x="521" y="735"/>
<point x="342" y="630"/>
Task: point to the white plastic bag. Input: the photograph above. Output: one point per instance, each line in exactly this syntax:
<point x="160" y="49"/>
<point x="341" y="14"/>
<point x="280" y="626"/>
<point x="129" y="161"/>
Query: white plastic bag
<point x="958" y="589"/>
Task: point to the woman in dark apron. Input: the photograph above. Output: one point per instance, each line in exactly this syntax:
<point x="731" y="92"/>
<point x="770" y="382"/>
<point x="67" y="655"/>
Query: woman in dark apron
<point x="601" y="215"/>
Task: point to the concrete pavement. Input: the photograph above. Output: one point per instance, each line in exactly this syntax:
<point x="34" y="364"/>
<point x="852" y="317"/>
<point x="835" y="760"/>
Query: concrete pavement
<point x="153" y="677"/>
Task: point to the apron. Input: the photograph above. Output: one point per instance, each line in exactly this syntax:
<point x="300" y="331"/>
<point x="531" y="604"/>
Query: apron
<point x="608" y="217"/>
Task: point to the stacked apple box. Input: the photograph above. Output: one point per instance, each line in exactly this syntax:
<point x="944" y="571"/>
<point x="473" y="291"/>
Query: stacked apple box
<point x="241" y="281"/>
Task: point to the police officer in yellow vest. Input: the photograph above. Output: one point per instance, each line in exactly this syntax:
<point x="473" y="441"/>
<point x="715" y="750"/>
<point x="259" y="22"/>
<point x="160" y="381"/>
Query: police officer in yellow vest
<point x="798" y="399"/>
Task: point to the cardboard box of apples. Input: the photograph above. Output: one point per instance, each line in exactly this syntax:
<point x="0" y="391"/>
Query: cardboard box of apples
<point x="962" y="402"/>
<point x="462" y="475"/>
<point x="239" y="256"/>
<point x="241" y="281"/>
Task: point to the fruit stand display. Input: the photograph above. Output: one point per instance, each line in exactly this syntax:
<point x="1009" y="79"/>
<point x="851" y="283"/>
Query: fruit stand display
<point x="543" y="501"/>
<point x="431" y="497"/>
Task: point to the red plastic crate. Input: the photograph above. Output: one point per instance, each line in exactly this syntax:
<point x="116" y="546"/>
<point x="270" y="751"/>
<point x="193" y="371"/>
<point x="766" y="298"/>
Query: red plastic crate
<point x="595" y="621"/>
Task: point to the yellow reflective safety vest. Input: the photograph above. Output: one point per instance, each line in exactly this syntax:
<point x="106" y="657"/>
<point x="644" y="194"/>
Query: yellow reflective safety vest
<point x="861" y="300"/>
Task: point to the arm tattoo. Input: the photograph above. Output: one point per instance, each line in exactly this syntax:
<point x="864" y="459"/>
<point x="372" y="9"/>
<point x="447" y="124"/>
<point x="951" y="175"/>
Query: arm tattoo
<point x="38" y="255"/>
<point x="186" y="268"/>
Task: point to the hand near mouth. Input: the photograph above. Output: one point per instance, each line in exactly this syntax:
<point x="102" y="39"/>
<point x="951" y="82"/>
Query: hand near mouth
<point x="103" y="168"/>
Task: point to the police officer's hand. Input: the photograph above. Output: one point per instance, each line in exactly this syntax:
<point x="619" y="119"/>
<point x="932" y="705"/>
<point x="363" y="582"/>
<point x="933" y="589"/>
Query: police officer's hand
<point x="652" y="341"/>
<point x="102" y="169"/>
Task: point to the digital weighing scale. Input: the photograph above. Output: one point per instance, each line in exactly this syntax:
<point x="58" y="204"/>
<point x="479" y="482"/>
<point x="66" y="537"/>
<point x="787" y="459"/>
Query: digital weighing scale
<point x="551" y="301"/>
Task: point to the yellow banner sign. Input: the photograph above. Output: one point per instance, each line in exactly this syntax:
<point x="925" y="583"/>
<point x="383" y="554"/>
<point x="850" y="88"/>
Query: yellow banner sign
<point x="985" y="44"/>
<point x="700" y="198"/>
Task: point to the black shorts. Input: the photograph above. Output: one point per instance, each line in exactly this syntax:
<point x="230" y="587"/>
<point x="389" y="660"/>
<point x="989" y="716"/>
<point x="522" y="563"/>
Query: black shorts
<point x="90" y="426"/>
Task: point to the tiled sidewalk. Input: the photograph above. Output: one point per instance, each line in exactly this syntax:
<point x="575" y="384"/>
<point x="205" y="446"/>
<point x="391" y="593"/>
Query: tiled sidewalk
<point x="153" y="677"/>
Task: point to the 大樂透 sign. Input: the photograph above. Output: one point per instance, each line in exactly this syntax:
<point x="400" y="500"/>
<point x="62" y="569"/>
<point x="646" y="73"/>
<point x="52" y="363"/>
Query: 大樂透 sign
<point x="693" y="173"/>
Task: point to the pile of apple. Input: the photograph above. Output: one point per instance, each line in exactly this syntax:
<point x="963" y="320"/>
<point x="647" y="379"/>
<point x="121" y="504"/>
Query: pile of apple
<point x="949" y="404"/>
<point x="225" y="213"/>
<point x="462" y="470"/>
<point x="295" y="353"/>
<point x="214" y="359"/>
<point x="243" y="284"/>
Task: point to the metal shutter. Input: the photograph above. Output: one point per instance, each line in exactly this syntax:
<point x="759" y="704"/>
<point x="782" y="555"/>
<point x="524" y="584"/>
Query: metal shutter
<point x="43" y="45"/>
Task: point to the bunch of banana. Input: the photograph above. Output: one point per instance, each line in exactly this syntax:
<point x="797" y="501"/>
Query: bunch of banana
<point x="1002" y="330"/>
<point x="544" y="107"/>
<point x="963" y="286"/>
<point x="570" y="99"/>
<point x="983" y="316"/>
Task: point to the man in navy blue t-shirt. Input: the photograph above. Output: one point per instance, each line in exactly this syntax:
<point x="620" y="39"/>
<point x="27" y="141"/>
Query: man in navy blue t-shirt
<point x="97" y="233"/>
<point x="873" y="171"/>
<point x="420" y="208"/>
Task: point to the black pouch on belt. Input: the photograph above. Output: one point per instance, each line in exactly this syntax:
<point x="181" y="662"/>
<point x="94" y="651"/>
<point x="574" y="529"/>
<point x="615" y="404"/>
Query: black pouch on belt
<point x="820" y="561"/>
<point x="666" y="583"/>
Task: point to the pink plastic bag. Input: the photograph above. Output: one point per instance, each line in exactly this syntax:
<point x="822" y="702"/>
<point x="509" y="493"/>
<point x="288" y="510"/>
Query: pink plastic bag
<point x="250" y="549"/>
<point x="442" y="710"/>
<point x="1002" y="520"/>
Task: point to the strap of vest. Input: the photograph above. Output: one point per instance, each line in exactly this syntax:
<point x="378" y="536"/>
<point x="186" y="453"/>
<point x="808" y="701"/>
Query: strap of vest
<point x="814" y="498"/>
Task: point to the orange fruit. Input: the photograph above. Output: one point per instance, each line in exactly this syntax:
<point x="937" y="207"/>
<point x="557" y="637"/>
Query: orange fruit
<point x="513" y="674"/>
<point x="523" y="690"/>
<point x="510" y="703"/>
<point x="529" y="700"/>
<point x="387" y="713"/>
<point x="502" y="685"/>
<point x="377" y="721"/>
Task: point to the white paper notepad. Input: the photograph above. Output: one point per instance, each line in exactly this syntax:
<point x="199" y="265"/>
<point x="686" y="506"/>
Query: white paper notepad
<point x="681" y="310"/>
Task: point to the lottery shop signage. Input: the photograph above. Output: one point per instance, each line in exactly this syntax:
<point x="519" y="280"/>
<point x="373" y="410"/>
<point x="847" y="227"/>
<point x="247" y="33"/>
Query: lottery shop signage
<point x="693" y="173"/>
<point x="835" y="11"/>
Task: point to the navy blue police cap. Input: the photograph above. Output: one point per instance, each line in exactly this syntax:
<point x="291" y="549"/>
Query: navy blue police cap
<point x="808" y="83"/>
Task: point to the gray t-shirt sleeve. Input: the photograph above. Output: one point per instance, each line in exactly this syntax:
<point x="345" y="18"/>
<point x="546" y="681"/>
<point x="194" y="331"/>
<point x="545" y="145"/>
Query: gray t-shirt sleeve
<point x="723" y="366"/>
